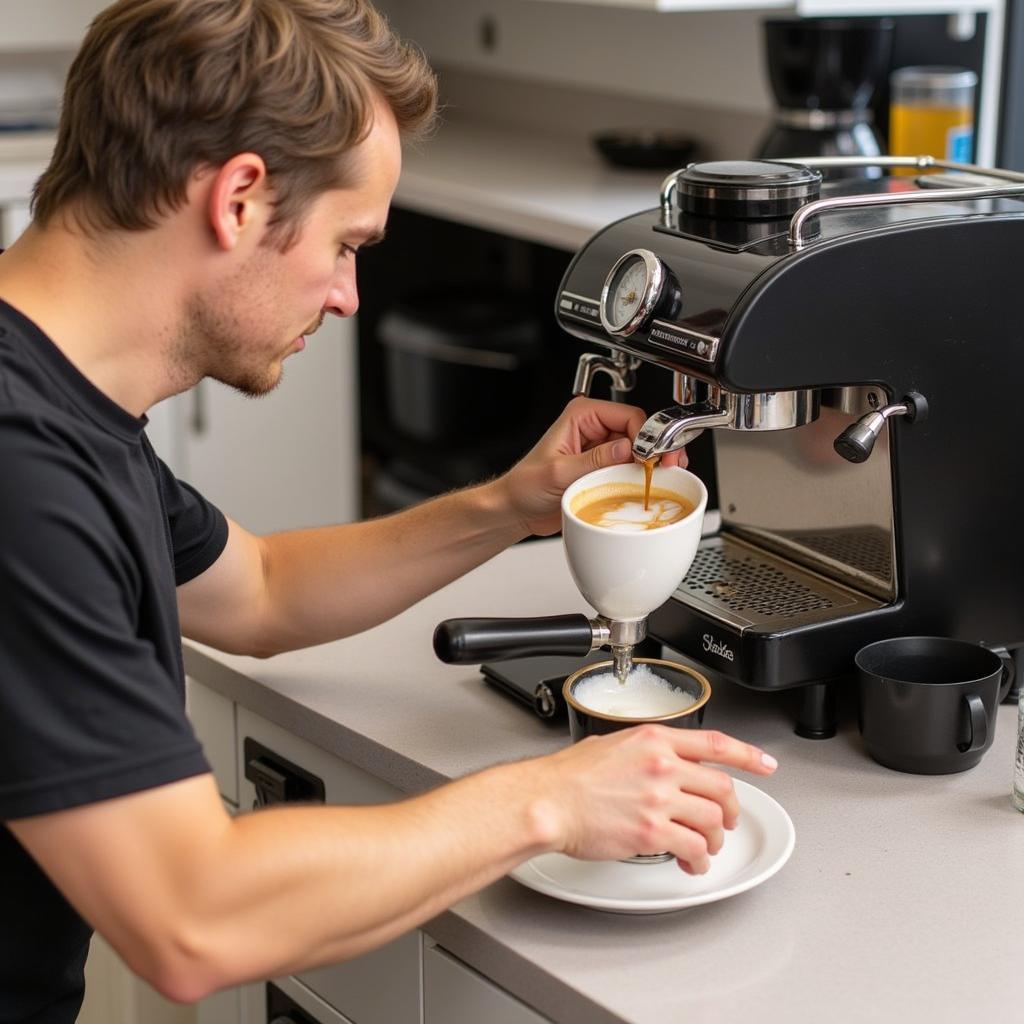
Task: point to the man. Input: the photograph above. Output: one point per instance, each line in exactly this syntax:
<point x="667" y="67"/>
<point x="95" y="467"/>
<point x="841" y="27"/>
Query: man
<point x="219" y="164"/>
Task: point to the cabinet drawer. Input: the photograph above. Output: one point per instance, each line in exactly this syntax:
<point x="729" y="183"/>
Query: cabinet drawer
<point x="382" y="987"/>
<point x="456" y="994"/>
<point x="213" y="719"/>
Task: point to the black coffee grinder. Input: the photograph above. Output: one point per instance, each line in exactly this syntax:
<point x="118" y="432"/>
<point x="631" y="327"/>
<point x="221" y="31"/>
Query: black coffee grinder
<point x="823" y="73"/>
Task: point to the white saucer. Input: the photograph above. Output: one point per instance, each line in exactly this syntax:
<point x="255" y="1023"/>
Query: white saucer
<point x="753" y="852"/>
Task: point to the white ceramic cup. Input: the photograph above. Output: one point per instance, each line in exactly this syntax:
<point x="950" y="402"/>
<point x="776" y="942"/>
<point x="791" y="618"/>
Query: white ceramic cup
<point x="625" y="575"/>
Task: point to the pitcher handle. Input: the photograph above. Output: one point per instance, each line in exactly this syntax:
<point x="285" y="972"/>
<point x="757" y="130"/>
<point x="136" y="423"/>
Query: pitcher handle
<point x="979" y="724"/>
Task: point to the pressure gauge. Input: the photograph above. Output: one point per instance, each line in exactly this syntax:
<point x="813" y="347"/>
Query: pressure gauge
<point x="631" y="291"/>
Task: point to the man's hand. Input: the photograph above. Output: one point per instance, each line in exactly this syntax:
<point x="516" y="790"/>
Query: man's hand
<point x="644" y="790"/>
<point x="589" y="434"/>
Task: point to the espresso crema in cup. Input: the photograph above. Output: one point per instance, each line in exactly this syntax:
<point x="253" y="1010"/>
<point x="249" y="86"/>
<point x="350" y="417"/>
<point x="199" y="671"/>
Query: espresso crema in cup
<point x="620" y="506"/>
<point x="643" y="696"/>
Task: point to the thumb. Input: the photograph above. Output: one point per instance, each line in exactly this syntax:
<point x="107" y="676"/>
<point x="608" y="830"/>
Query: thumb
<point x="612" y="453"/>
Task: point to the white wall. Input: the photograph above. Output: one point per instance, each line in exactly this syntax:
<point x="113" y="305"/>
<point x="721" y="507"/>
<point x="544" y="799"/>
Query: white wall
<point x="574" y="70"/>
<point x="709" y="59"/>
<point x="45" y="24"/>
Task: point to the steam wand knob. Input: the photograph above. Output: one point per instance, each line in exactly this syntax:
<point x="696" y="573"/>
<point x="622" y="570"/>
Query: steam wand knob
<point x="856" y="442"/>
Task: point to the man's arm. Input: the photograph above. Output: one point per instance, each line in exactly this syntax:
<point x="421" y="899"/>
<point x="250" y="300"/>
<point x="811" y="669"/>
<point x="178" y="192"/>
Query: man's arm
<point x="290" y="590"/>
<point x="194" y="900"/>
<point x="295" y="589"/>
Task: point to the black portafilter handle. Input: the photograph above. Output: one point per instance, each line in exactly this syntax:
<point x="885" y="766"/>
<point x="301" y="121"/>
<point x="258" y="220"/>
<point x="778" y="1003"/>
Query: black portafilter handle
<point x="856" y="442"/>
<point x="471" y="641"/>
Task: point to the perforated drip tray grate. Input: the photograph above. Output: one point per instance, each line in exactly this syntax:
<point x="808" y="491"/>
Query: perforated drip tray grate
<point x="751" y="588"/>
<point x="865" y="549"/>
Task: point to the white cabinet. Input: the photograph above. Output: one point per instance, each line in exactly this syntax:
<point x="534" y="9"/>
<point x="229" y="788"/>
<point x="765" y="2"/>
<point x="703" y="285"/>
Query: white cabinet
<point x="114" y="995"/>
<point x="284" y="461"/>
<point x="306" y="1002"/>
<point x="456" y="994"/>
<point x="213" y="719"/>
<point x="381" y="987"/>
<point x="14" y="218"/>
<point x="23" y="157"/>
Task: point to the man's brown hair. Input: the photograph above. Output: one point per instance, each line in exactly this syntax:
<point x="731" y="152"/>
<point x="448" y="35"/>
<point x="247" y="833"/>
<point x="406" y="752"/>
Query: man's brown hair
<point x="162" y="87"/>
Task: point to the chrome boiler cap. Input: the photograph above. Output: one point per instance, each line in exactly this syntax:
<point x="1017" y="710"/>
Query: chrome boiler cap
<point x="746" y="189"/>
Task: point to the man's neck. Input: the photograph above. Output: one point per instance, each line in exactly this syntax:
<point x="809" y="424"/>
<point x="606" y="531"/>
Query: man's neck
<point x="102" y="307"/>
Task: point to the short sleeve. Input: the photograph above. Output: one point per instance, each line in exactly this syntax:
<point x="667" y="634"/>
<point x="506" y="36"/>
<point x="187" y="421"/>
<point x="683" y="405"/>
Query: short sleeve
<point x="199" y="531"/>
<point x="89" y="706"/>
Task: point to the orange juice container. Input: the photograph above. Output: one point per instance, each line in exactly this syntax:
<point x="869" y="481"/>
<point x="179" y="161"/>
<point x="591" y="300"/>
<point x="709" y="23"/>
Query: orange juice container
<point x="931" y="113"/>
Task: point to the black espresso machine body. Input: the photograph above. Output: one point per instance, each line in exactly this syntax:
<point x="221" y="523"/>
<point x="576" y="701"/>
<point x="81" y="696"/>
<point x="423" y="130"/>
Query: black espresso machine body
<point x="907" y="309"/>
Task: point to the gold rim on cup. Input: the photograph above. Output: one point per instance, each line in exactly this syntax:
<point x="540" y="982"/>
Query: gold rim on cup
<point x="705" y="690"/>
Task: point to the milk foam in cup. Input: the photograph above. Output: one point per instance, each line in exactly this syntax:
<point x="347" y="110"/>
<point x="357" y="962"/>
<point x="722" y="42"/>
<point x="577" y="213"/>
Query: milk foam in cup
<point x="644" y="695"/>
<point x="655" y="690"/>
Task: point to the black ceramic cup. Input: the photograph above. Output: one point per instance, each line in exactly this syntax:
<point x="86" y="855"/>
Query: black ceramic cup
<point x="928" y="704"/>
<point x="584" y="721"/>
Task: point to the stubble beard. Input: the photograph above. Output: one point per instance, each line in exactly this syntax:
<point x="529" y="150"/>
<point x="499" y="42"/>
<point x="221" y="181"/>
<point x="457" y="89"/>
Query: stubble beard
<point x="214" y="343"/>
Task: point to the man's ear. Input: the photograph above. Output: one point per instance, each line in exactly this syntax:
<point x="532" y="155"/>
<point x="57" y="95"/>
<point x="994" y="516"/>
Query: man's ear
<point x="239" y="200"/>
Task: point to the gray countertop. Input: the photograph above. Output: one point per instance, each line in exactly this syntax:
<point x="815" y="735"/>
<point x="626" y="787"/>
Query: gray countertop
<point x="903" y="900"/>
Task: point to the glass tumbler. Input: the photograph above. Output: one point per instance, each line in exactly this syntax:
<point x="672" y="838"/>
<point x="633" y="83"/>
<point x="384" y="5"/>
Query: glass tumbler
<point x="931" y="113"/>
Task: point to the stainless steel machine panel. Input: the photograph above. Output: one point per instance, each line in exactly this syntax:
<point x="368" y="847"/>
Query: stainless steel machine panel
<point x="766" y="481"/>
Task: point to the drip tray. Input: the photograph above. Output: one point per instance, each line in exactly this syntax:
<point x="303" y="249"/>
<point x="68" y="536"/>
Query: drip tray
<point x="750" y="588"/>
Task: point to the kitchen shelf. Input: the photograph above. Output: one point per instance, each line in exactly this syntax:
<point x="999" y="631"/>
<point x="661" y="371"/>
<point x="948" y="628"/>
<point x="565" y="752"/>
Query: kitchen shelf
<point x="538" y="187"/>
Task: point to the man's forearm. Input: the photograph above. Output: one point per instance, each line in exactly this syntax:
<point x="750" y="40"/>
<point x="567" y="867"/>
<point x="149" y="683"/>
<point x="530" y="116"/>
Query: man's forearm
<point x="351" y="879"/>
<point x="194" y="901"/>
<point x="325" y="583"/>
<point x="331" y="582"/>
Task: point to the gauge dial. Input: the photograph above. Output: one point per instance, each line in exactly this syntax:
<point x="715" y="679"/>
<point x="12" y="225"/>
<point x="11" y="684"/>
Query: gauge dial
<point x="631" y="291"/>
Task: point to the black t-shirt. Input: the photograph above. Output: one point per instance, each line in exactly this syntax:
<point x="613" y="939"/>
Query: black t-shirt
<point x="95" y="533"/>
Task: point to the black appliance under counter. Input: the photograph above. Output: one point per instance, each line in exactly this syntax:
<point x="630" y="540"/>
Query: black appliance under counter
<point x="901" y="901"/>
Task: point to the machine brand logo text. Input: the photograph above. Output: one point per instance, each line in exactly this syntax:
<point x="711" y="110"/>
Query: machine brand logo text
<point x="719" y="647"/>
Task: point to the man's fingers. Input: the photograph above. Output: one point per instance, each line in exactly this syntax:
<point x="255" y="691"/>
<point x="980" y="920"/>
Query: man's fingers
<point x="713" y="786"/>
<point x="704" y="816"/>
<point x="690" y="849"/>
<point x="676" y="458"/>
<point x="612" y="453"/>
<point x="719" y="748"/>
<point x="596" y="420"/>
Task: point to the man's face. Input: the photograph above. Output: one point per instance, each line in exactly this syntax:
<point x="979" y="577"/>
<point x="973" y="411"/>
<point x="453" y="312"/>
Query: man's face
<point x="241" y="329"/>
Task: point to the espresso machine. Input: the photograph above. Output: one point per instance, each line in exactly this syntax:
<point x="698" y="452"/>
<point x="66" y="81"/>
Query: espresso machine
<point x="857" y="350"/>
